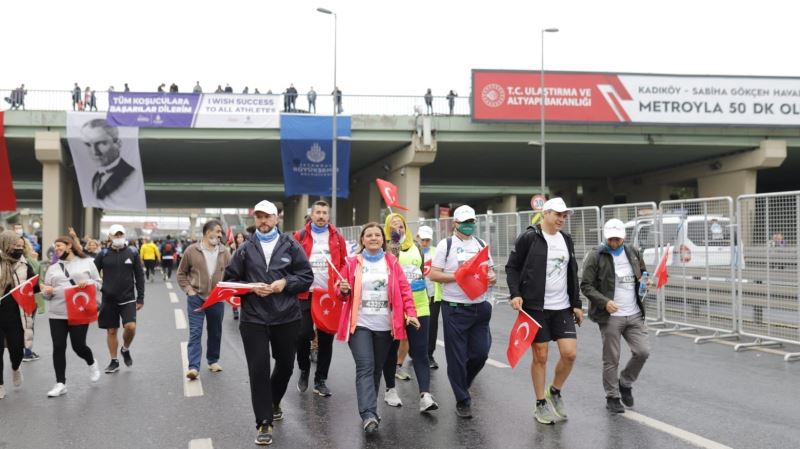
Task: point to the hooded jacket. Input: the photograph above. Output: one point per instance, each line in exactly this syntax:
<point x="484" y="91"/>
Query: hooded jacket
<point x="289" y="262"/>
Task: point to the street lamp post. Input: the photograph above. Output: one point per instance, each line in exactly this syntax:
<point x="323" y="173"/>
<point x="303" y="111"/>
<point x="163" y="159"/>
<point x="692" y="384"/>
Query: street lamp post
<point x="543" y="97"/>
<point x="335" y="112"/>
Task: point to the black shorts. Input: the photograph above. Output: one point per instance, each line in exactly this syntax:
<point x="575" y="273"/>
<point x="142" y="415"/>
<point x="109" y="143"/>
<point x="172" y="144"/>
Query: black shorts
<point x="111" y="313"/>
<point x="556" y="324"/>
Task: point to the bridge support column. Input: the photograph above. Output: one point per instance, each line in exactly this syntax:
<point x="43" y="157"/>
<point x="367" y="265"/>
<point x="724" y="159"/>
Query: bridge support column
<point x="295" y="210"/>
<point x="730" y="184"/>
<point x="55" y="201"/>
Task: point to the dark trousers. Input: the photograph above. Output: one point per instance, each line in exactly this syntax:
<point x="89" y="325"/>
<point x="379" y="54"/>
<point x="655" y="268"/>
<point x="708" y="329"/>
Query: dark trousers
<point x="267" y="391"/>
<point x="417" y="349"/>
<point x="324" y="349"/>
<point x="149" y="267"/>
<point x="213" y="316"/>
<point x="370" y="349"/>
<point x="59" y="329"/>
<point x="433" y="332"/>
<point x="166" y="265"/>
<point x="12" y="334"/>
<point x="467" y="340"/>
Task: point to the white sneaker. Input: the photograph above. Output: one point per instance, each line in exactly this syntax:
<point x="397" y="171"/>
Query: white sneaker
<point x="392" y="398"/>
<point x="58" y="390"/>
<point x="427" y="403"/>
<point x="2" y="391"/>
<point x="94" y="372"/>
<point x="17" y="377"/>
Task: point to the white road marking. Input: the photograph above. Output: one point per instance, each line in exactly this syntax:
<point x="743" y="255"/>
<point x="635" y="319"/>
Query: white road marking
<point x="491" y="362"/>
<point x="191" y="388"/>
<point x="204" y="443"/>
<point x="180" y="319"/>
<point x="684" y="435"/>
<point x="173" y="297"/>
<point x="169" y="285"/>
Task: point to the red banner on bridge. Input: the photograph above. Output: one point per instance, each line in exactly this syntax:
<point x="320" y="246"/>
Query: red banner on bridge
<point x="8" y="199"/>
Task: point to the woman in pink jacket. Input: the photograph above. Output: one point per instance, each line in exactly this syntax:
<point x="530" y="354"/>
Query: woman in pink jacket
<point x="377" y="307"/>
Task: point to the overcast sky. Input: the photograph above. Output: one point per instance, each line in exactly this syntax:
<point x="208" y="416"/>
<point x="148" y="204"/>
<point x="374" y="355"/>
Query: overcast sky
<point x="399" y="47"/>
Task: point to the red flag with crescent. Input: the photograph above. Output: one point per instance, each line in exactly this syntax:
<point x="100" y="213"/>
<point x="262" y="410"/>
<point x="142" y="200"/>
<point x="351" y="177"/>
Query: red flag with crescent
<point x="473" y="275"/>
<point x="522" y="335"/>
<point x="224" y="293"/>
<point x="23" y="295"/>
<point x="325" y="310"/>
<point x="389" y="193"/>
<point x="235" y="302"/>
<point x="426" y="267"/>
<point x="81" y="304"/>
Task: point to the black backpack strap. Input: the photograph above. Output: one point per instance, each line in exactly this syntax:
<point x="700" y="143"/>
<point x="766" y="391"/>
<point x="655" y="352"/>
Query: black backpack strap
<point x="449" y="244"/>
<point x="66" y="273"/>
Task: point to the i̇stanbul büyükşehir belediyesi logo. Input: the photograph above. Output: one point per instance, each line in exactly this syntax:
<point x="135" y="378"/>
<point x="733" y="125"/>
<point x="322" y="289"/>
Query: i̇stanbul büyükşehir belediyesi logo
<point x="493" y="95"/>
<point x="315" y="153"/>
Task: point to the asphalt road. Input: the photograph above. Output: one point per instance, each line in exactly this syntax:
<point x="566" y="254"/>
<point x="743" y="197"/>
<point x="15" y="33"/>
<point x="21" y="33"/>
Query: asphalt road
<point x="688" y="396"/>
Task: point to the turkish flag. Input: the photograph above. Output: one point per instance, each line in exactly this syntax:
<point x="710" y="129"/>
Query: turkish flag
<point x="81" y="304"/>
<point x="522" y="334"/>
<point x="224" y="291"/>
<point x="389" y="193"/>
<point x="325" y="310"/>
<point x="426" y="267"/>
<point x="23" y="294"/>
<point x="235" y="302"/>
<point x="229" y="235"/>
<point x="661" y="271"/>
<point x="8" y="199"/>
<point x="473" y="276"/>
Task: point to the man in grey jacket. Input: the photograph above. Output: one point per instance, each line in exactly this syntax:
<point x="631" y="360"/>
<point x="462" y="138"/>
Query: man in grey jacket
<point x="611" y="277"/>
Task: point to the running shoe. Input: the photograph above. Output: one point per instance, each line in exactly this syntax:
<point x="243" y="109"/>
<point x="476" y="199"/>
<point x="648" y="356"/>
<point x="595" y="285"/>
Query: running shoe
<point x="614" y="406"/>
<point x="192" y="374"/>
<point x="433" y="364"/>
<point x="302" y="382"/>
<point x="321" y="389"/>
<point x="112" y="367"/>
<point x="30" y="356"/>
<point x="126" y="356"/>
<point x="544" y="414"/>
<point x="264" y="436"/>
<point x="59" y="390"/>
<point x="464" y="409"/>
<point x="401" y="373"/>
<point x="627" y="395"/>
<point x="277" y="412"/>
<point x="94" y="371"/>
<point x="215" y="367"/>
<point x="557" y="403"/>
<point x="427" y="403"/>
<point x="370" y="425"/>
<point x="391" y="397"/>
<point x="17" y="377"/>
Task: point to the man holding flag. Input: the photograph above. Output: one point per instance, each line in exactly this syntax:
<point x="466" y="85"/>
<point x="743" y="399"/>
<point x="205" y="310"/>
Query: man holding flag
<point x="326" y="250"/>
<point x="611" y="277"/>
<point x="465" y="315"/>
<point x="542" y="276"/>
<point x="201" y="269"/>
<point x="18" y="283"/>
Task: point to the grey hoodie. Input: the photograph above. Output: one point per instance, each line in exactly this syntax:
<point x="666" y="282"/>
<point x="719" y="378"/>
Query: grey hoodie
<point x="79" y="270"/>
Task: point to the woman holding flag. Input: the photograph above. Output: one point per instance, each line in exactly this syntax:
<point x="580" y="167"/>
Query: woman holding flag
<point x="14" y="316"/>
<point x="378" y="306"/>
<point x="202" y="267"/>
<point x="73" y="269"/>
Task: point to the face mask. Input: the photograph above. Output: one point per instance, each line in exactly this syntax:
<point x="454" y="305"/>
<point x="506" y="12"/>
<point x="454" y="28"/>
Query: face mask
<point x="214" y="241"/>
<point x="118" y="243"/>
<point x="19" y="232"/>
<point x="466" y="228"/>
<point x="16" y="253"/>
<point x="64" y="255"/>
<point x="396" y="236"/>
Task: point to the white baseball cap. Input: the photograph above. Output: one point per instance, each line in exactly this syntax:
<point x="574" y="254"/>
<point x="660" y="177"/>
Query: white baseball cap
<point x="614" y="228"/>
<point x="425" y="232"/>
<point x="115" y="229"/>
<point x="266" y="207"/>
<point x="464" y="213"/>
<point x="556" y="205"/>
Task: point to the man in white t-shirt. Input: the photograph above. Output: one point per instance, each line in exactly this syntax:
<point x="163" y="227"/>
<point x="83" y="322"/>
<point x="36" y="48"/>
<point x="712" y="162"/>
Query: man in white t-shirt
<point x="467" y="339"/>
<point x="611" y="277"/>
<point x="542" y="276"/>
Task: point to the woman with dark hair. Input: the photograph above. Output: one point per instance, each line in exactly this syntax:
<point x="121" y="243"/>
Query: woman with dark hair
<point x="73" y="268"/>
<point x="14" y="270"/>
<point x="377" y="307"/>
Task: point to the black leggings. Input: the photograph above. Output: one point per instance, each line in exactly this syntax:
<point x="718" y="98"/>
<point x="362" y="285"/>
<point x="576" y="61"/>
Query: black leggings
<point x="59" y="329"/>
<point x="433" y="331"/>
<point x="267" y="391"/>
<point x="324" y="351"/>
<point x="149" y="267"/>
<point x="11" y="332"/>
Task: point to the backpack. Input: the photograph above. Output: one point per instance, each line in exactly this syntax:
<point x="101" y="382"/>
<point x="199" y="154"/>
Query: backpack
<point x="450" y="243"/>
<point x="167" y="248"/>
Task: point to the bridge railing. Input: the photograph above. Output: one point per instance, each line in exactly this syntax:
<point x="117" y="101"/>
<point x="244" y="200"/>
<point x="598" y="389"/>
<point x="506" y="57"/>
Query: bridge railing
<point x="352" y="104"/>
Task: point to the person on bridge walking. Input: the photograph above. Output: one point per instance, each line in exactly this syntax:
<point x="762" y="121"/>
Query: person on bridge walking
<point x="321" y="243"/>
<point x="312" y="100"/>
<point x="277" y="267"/>
<point x="467" y="337"/>
<point x="123" y="294"/>
<point x="150" y="256"/>
<point x="76" y="97"/>
<point x="542" y="276"/>
<point x="611" y="277"/>
<point x="429" y="102"/>
<point x="201" y="269"/>
<point x="378" y="305"/>
<point x="74" y="268"/>
<point x="14" y="321"/>
<point x="411" y="259"/>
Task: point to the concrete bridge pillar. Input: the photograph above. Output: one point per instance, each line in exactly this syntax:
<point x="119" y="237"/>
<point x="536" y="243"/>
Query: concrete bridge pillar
<point x="55" y="199"/>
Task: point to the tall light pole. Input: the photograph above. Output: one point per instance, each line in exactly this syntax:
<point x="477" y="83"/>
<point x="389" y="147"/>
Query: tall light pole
<point x="543" y="97"/>
<point x="335" y="112"/>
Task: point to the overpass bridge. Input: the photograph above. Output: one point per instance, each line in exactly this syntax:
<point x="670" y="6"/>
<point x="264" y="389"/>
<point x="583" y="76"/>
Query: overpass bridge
<point x="490" y="166"/>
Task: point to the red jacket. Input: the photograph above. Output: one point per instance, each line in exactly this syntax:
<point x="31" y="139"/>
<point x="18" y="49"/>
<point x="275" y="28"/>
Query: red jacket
<point x="337" y="246"/>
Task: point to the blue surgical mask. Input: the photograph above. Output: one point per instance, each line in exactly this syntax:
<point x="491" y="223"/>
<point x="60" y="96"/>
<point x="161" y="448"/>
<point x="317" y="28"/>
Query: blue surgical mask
<point x="319" y="229"/>
<point x="267" y="237"/>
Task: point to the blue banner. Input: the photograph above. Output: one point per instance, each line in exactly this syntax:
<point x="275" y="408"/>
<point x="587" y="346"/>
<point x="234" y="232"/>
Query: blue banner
<point x="307" y="153"/>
